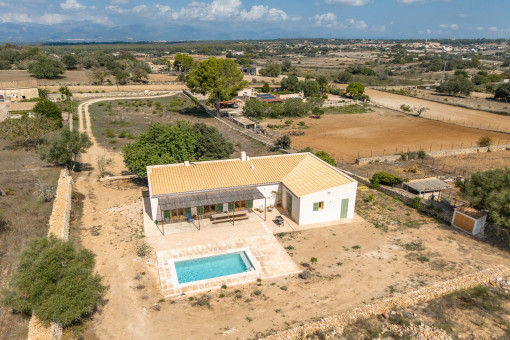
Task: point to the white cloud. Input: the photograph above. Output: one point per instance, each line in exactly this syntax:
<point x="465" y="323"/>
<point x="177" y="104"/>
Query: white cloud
<point x="493" y="29"/>
<point x="52" y="18"/>
<point x="72" y="4"/>
<point x="357" y="24"/>
<point x="327" y="19"/>
<point x="452" y="26"/>
<point x="348" y="2"/>
<point x="120" y="2"/>
<point x="3" y="4"/>
<point x="259" y="12"/>
<point x="463" y="15"/>
<point x="480" y="28"/>
<point x="15" y="17"/>
<point x="139" y="9"/>
<point x="410" y="1"/>
<point x="381" y="28"/>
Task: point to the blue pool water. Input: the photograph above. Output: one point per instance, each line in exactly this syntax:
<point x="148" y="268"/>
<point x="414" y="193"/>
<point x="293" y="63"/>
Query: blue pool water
<point x="212" y="266"/>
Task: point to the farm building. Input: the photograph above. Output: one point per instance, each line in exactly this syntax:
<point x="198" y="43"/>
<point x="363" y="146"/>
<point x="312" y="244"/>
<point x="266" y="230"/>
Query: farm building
<point x="269" y="98"/>
<point x="469" y="220"/>
<point x="307" y="189"/>
<point x="427" y="188"/>
<point x="251" y="71"/>
<point x="16" y="91"/>
<point x="244" y="122"/>
<point x="55" y="97"/>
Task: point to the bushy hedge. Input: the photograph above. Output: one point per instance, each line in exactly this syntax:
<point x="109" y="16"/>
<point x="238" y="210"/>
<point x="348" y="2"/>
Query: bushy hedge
<point x="385" y="178"/>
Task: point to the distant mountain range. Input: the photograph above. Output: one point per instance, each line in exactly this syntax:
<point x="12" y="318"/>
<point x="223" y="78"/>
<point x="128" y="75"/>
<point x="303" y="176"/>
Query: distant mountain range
<point x="80" y="31"/>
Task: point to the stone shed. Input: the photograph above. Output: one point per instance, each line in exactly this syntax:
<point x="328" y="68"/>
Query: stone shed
<point x="427" y="188"/>
<point x="469" y="220"/>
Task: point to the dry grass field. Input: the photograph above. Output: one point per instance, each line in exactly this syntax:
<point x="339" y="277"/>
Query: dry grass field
<point x="26" y="215"/>
<point x="382" y="131"/>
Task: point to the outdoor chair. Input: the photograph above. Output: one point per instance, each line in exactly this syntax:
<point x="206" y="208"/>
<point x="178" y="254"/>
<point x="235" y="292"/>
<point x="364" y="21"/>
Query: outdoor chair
<point x="189" y="218"/>
<point x="279" y="221"/>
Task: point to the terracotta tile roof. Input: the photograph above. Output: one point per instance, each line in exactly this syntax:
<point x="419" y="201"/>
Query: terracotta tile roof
<point x="302" y="173"/>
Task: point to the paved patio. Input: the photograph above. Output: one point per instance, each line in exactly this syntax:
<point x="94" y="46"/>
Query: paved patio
<point x="255" y="235"/>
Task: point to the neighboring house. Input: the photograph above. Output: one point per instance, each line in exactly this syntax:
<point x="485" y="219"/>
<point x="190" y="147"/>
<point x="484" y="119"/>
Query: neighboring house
<point x="16" y="91"/>
<point x="251" y="71"/>
<point x="157" y="68"/>
<point x="427" y="188"/>
<point x="307" y="188"/>
<point x="245" y="122"/>
<point x="269" y="98"/>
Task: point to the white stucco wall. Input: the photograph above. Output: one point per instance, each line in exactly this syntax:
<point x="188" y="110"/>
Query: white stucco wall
<point x="332" y="199"/>
<point x="295" y="203"/>
<point x="156" y="215"/>
<point x="267" y="191"/>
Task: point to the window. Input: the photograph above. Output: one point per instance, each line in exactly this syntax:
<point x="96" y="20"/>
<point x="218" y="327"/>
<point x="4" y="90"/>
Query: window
<point x="318" y="206"/>
<point x="177" y="213"/>
<point x="209" y="208"/>
<point x="240" y="205"/>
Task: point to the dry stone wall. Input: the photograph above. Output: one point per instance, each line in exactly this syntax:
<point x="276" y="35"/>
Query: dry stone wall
<point x="335" y="324"/>
<point x="59" y="226"/>
<point x="434" y="154"/>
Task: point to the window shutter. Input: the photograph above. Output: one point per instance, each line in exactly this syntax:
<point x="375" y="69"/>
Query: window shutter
<point x="316" y="206"/>
<point x="231" y="206"/>
<point x="250" y="204"/>
<point x="200" y="210"/>
<point x="166" y="214"/>
<point x="219" y="208"/>
<point x="187" y="211"/>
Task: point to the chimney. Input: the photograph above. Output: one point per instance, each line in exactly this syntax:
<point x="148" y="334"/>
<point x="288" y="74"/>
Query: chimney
<point x="186" y="163"/>
<point x="243" y="156"/>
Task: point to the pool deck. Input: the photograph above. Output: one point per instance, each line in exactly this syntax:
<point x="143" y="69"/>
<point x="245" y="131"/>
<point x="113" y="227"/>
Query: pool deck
<point x="255" y="235"/>
<point x="267" y="255"/>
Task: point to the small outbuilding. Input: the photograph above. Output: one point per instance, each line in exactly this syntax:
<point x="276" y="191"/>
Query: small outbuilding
<point x="469" y="219"/>
<point x="244" y="122"/>
<point x="427" y="188"/>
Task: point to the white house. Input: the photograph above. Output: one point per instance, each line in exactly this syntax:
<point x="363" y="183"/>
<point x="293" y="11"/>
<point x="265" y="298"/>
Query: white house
<point x="307" y="188"/>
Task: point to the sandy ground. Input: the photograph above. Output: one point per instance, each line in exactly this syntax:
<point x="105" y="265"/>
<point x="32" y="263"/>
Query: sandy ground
<point x="381" y="132"/>
<point x="356" y="263"/>
<point x="443" y="112"/>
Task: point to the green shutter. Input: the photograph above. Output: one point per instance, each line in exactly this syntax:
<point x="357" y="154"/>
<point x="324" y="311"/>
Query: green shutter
<point x="249" y="204"/>
<point x="231" y="206"/>
<point x="316" y="206"/>
<point x="166" y="214"/>
<point x="187" y="212"/>
<point x="345" y="207"/>
<point x="219" y="208"/>
<point x="200" y="210"/>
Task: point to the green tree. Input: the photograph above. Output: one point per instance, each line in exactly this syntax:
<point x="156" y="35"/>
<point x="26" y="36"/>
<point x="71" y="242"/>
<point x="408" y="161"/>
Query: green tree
<point x="286" y="66"/>
<point x="479" y="79"/>
<point x="461" y="73"/>
<point x="183" y="62"/>
<point x="121" y="76"/>
<point x="355" y="90"/>
<point x="385" y="178"/>
<point x="220" y="78"/>
<point x="46" y="68"/>
<point x="295" y="107"/>
<point x="326" y="157"/>
<point x="323" y="83"/>
<point x="344" y="77"/>
<point x="138" y="73"/>
<point x="49" y="109"/>
<point x="283" y="142"/>
<point x="490" y="191"/>
<point x="271" y="69"/>
<point x="175" y="143"/>
<point x="70" y="61"/>
<point x="27" y="131"/>
<point x="309" y="87"/>
<point x="256" y="108"/>
<point x="457" y="86"/>
<point x="503" y="92"/>
<point x="318" y="112"/>
<point x="5" y="65"/>
<point x="290" y="83"/>
<point x="55" y="281"/>
<point x="65" y="91"/>
<point x="63" y="148"/>
<point x="266" y="88"/>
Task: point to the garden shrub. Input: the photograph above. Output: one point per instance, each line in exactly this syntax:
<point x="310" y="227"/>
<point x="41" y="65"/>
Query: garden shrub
<point x="385" y="178"/>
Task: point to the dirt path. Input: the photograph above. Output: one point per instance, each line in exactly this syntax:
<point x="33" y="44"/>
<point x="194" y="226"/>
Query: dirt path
<point x="443" y="112"/>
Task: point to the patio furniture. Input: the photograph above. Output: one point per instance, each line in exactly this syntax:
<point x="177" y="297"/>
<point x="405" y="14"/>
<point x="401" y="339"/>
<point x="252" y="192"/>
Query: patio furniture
<point x="279" y="221"/>
<point x="189" y="218"/>
<point x="229" y="216"/>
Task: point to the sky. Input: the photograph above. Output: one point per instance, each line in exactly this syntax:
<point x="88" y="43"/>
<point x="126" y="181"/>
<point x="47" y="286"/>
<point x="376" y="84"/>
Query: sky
<point x="42" y="20"/>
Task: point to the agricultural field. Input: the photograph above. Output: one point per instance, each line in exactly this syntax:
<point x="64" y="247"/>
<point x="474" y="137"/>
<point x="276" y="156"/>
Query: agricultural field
<point x="381" y="131"/>
<point x="21" y="176"/>
<point x="116" y="123"/>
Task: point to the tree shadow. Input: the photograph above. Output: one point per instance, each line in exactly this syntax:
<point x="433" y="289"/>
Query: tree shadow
<point x="196" y="112"/>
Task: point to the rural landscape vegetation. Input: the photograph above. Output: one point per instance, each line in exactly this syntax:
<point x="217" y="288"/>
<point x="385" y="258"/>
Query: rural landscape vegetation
<point x="385" y="112"/>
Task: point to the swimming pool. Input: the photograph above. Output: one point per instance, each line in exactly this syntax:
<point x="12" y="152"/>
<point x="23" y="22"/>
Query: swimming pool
<point x="212" y="266"/>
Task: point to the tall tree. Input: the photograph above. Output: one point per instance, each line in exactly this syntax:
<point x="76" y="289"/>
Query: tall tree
<point x="46" y="68"/>
<point x="271" y="69"/>
<point x="70" y="61"/>
<point x="55" y="282"/>
<point x="49" y="109"/>
<point x="323" y="83"/>
<point x="220" y="78"/>
<point x="64" y="147"/>
<point x="183" y="62"/>
<point x="503" y="92"/>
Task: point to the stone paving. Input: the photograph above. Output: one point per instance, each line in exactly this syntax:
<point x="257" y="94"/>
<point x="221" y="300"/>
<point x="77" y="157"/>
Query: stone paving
<point x="267" y="255"/>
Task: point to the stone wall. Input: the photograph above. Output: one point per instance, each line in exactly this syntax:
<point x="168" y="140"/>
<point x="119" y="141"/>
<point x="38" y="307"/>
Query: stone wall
<point x="335" y="324"/>
<point x="434" y="154"/>
<point x="87" y="95"/>
<point x="59" y="226"/>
